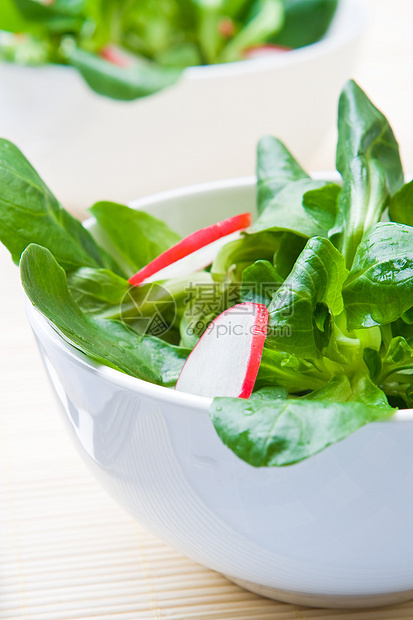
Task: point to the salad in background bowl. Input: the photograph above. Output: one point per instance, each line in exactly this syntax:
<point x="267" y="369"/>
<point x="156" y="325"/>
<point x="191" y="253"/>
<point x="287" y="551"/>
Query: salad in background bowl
<point x="126" y="50"/>
<point x="283" y="474"/>
<point x="116" y="149"/>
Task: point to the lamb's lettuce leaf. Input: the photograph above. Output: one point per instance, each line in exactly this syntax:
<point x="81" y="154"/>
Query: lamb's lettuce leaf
<point x="30" y="213"/>
<point x="369" y="161"/>
<point x="398" y="358"/>
<point x="306" y="21"/>
<point x="401" y="205"/>
<point x="270" y="393"/>
<point x="312" y="289"/>
<point x="283" y="432"/>
<point x="372" y="359"/>
<point x="135" y="235"/>
<point x="97" y="291"/>
<point x="322" y="205"/>
<point x="106" y="341"/>
<point x="125" y="83"/>
<point x="281" y="369"/>
<point x="235" y="256"/>
<point x="259" y="283"/>
<point x="341" y="389"/>
<point x="276" y="167"/>
<point x="289" y="248"/>
<point x="33" y="9"/>
<point x="284" y="210"/>
<point x="292" y="209"/>
<point x="12" y="19"/>
<point x="379" y="288"/>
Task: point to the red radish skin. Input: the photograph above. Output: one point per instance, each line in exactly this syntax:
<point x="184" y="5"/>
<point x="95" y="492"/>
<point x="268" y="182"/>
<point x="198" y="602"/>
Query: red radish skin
<point x="260" y="333"/>
<point x="190" y="246"/>
<point x="227" y="364"/>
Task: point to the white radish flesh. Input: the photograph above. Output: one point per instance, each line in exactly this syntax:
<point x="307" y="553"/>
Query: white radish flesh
<point x="226" y="359"/>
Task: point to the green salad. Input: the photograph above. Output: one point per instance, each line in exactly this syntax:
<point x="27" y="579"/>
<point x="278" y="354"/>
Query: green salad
<point x="127" y="49"/>
<point x="328" y="266"/>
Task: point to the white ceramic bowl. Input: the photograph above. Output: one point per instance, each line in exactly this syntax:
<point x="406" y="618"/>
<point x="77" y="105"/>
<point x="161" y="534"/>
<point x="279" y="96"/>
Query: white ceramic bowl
<point x="206" y="127"/>
<point x="334" y="531"/>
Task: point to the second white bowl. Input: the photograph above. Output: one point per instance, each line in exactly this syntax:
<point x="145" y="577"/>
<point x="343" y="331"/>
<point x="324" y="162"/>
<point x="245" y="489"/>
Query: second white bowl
<point x="206" y="127"/>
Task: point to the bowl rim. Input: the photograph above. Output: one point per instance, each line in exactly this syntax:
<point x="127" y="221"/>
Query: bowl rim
<point x="340" y="32"/>
<point x="41" y="325"/>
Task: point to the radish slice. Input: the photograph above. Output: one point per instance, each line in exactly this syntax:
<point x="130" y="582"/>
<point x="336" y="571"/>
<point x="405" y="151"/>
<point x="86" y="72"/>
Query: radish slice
<point x="226" y="28"/>
<point x="226" y="359"/>
<point x="260" y="51"/>
<point x="115" y="56"/>
<point x="193" y="253"/>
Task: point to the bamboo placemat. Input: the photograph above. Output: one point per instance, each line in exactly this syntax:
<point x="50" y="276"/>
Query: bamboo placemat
<point x="66" y="550"/>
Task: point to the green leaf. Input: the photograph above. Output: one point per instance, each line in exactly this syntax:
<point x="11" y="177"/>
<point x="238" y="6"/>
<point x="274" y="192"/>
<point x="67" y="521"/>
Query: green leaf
<point x="259" y="283"/>
<point x="336" y="390"/>
<point x="367" y="392"/>
<point x="29" y="213"/>
<point x="398" y="358"/>
<point x="208" y="17"/>
<point x="323" y="326"/>
<point x="321" y="204"/>
<point x="182" y="55"/>
<point x="233" y="8"/>
<point x="359" y="389"/>
<point x="279" y="432"/>
<point x="110" y="80"/>
<point x="369" y="161"/>
<point x="136" y="236"/>
<point x="12" y="20"/>
<point x="400" y="328"/>
<point x="399" y="352"/>
<point x="364" y="131"/>
<point x="276" y="167"/>
<point x="97" y="291"/>
<point x="379" y="288"/>
<point x="316" y="278"/>
<point x="266" y="19"/>
<point x="269" y="393"/>
<point x="289" y="248"/>
<point x="158" y="307"/>
<point x="280" y="369"/>
<point x="40" y="11"/>
<point x="108" y="342"/>
<point x="401" y="205"/>
<point x="286" y="211"/>
<point x="372" y="359"/>
<point x="306" y="21"/>
<point x="235" y="256"/>
<point x="154" y="309"/>
<point x="396" y="376"/>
